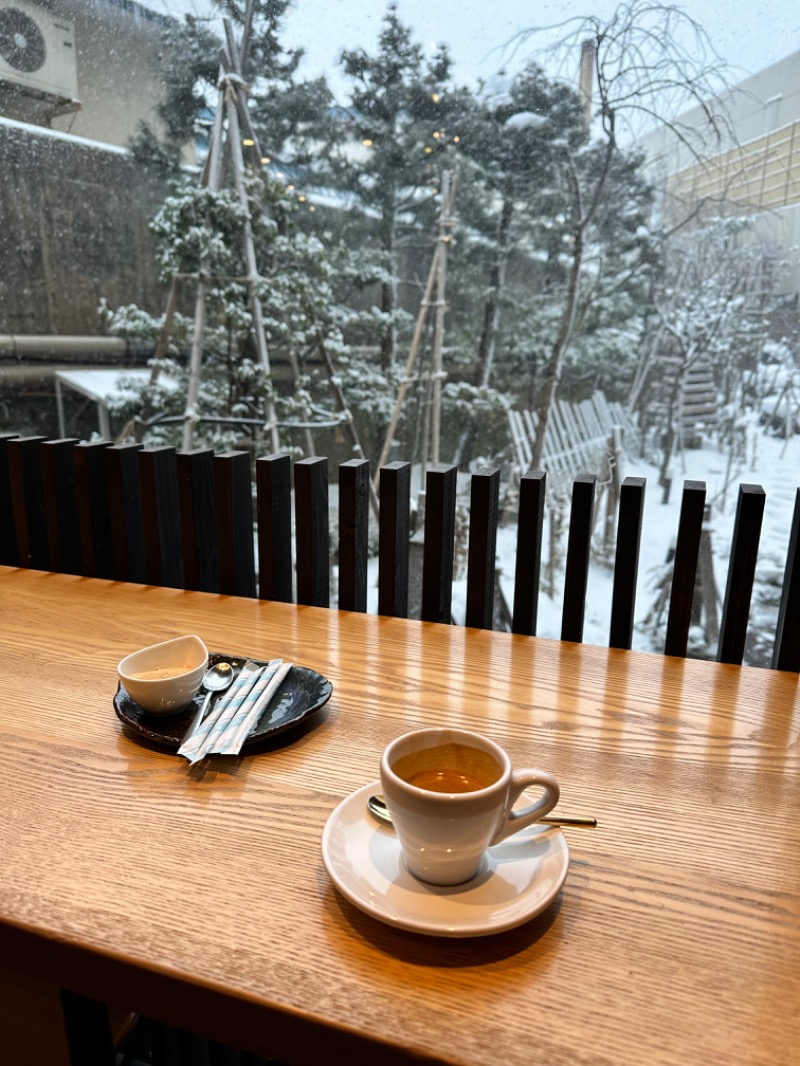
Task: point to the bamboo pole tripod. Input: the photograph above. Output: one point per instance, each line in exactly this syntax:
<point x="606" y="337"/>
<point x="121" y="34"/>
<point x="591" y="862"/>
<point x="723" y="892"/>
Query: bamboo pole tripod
<point x="232" y="131"/>
<point x="225" y="149"/>
<point x="436" y="278"/>
<point x="232" y="116"/>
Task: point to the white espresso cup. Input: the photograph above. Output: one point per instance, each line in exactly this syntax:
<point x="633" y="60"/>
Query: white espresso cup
<point x="450" y="793"/>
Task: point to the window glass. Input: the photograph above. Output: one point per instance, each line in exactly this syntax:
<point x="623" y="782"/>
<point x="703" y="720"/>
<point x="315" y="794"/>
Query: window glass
<point x="556" y="236"/>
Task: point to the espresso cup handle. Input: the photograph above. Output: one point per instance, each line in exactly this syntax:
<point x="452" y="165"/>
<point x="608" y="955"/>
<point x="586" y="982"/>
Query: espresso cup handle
<point x="516" y="820"/>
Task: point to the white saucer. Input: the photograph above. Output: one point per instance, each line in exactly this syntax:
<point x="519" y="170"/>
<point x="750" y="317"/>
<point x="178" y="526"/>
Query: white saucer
<point x="522" y="876"/>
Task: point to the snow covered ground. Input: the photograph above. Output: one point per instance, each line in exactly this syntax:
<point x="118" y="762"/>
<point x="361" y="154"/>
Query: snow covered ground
<point x="771" y="462"/>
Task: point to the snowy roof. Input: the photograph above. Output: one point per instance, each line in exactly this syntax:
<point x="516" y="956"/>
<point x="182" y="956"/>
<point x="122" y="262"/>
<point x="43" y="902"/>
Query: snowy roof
<point x="139" y="11"/>
<point x="43" y="131"/>
<point x="99" y="385"/>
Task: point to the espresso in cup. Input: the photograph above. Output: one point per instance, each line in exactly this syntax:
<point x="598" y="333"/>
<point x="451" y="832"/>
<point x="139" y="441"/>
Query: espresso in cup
<point x="450" y="793"/>
<point x="449" y="768"/>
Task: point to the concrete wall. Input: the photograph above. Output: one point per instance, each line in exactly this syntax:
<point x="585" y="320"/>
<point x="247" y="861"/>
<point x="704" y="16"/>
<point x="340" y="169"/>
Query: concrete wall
<point x="73" y="228"/>
<point x="757" y="106"/>
<point x="753" y="171"/>
<point x="118" y="59"/>
<point x="117" y="50"/>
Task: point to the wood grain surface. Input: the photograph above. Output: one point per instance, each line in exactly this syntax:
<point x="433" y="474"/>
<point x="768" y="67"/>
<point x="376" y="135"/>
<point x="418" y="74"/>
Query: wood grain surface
<point x="200" y="896"/>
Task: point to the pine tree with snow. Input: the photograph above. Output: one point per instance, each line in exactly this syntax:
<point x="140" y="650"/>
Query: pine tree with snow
<point x="399" y="130"/>
<point x="303" y="280"/>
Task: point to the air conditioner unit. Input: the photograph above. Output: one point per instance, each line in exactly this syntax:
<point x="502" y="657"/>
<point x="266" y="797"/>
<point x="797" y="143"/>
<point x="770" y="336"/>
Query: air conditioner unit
<point x="37" y="51"/>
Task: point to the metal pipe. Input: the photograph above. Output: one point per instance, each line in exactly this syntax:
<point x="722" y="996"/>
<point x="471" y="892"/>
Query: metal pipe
<point x="43" y="347"/>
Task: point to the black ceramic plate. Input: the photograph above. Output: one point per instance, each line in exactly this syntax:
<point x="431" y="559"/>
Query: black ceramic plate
<point x="303" y="691"/>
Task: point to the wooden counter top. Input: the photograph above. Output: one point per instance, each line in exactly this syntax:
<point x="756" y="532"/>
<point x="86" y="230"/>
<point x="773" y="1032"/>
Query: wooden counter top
<point x="199" y="896"/>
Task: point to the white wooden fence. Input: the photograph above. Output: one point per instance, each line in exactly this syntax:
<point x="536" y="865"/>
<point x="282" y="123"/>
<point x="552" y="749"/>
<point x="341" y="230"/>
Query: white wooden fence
<point x="577" y="439"/>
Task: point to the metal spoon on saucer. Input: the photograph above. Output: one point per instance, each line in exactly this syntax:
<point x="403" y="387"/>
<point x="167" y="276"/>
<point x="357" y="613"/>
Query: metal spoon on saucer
<point x="216" y="679"/>
<point x="377" y="806"/>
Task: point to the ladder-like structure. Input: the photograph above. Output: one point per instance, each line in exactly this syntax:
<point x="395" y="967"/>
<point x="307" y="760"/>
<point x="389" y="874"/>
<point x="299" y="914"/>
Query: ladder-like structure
<point x="436" y="280"/>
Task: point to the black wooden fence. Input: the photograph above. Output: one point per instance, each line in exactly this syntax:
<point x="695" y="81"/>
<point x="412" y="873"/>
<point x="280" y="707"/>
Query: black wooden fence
<point x="192" y="520"/>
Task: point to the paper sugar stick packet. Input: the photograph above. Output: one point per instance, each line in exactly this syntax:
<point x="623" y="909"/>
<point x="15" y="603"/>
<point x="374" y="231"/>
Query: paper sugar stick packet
<point x="235" y="712"/>
<point x="227" y="704"/>
<point x="245" y="722"/>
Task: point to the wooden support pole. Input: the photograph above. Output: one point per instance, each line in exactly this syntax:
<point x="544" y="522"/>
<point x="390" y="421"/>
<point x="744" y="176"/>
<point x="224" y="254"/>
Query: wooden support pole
<point x="393" y="546"/>
<point x="684" y="570"/>
<point x="439" y="545"/>
<point x="482" y="558"/>
<point x="354" y="485"/>
<point x="578" y="550"/>
<point x="626" y="565"/>
<point x="274" y="503"/>
<point x="741" y="573"/>
<point x="437" y="373"/>
<point x="412" y="356"/>
<point x="786" y="655"/>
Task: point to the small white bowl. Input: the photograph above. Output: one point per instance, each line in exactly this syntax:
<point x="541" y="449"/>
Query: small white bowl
<point x="165" y="678"/>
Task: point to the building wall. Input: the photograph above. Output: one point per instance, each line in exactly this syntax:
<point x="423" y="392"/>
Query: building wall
<point x="759" y="175"/>
<point x="754" y="168"/>
<point x="73" y="228"/>
<point x="766" y="102"/>
<point x="118" y="58"/>
<point x="117" y="50"/>
<point x="74" y="208"/>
